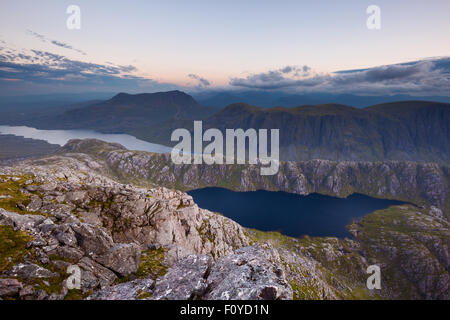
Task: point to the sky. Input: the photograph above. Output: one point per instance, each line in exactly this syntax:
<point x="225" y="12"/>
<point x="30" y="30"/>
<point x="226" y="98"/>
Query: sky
<point x="296" y="45"/>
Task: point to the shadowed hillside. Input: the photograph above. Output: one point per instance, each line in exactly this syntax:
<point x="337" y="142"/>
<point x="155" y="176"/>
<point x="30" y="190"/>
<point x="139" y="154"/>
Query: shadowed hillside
<point x="410" y="130"/>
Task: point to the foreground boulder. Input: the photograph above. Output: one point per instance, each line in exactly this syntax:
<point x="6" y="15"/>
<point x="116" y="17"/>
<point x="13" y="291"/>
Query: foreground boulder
<point x="248" y="274"/>
<point x="92" y="239"/>
<point x="94" y="275"/>
<point x="186" y="280"/>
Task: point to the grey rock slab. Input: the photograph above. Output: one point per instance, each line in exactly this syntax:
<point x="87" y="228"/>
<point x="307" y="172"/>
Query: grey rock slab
<point x="185" y="280"/>
<point x="20" y="221"/>
<point x="121" y="258"/>
<point x="125" y="291"/>
<point x="29" y="270"/>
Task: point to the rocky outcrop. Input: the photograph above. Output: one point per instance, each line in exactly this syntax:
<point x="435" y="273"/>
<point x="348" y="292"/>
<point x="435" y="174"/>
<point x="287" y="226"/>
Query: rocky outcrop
<point x="50" y="206"/>
<point x="20" y="222"/>
<point x="248" y="274"/>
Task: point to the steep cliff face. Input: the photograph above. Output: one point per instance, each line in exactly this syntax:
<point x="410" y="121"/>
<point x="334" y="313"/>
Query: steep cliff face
<point x="140" y="243"/>
<point x="419" y="183"/>
<point x="408" y="130"/>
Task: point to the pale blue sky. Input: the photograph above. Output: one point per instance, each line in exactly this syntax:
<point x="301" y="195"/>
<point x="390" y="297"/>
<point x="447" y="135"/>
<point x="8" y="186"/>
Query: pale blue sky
<point x="168" y="40"/>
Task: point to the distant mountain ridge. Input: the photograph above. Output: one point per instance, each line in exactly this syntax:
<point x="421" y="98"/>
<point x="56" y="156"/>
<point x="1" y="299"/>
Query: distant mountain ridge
<point x="409" y="130"/>
<point x="406" y="130"/>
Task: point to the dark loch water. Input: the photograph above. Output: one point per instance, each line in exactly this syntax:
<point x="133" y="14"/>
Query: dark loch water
<point x="290" y="214"/>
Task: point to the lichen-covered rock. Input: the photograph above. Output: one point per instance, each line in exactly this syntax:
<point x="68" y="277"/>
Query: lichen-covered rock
<point x="186" y="280"/>
<point x="248" y="274"/>
<point x="132" y="290"/>
<point x="73" y="254"/>
<point x="92" y="239"/>
<point x="35" y="204"/>
<point x="31" y="271"/>
<point x="94" y="275"/>
<point x="65" y="235"/>
<point x="121" y="258"/>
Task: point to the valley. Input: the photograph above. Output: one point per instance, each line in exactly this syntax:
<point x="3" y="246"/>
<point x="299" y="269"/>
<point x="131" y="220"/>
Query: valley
<point x="142" y="227"/>
<point x="421" y="184"/>
<point x="135" y="242"/>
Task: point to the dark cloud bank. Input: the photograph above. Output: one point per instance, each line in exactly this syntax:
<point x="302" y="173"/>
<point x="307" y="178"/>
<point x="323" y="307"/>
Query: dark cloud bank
<point x="418" y="77"/>
<point x="40" y="70"/>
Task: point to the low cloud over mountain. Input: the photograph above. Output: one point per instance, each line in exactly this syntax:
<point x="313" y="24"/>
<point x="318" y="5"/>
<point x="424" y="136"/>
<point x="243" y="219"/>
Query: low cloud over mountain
<point x="430" y="76"/>
<point x="202" y="82"/>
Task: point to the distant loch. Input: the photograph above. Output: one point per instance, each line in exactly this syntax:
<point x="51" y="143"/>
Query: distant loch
<point x="61" y="137"/>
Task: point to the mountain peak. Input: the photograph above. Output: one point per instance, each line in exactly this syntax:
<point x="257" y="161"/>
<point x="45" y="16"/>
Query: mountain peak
<point x="121" y="95"/>
<point x="129" y="112"/>
<point x="138" y="98"/>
